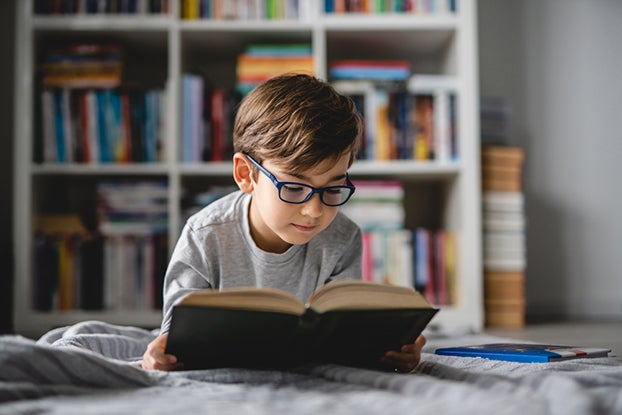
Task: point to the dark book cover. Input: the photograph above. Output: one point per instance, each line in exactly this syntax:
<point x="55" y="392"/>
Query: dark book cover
<point x="203" y="337"/>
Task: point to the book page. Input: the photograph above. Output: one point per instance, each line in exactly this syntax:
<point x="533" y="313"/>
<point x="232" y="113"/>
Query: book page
<point x="251" y="298"/>
<point x="360" y="295"/>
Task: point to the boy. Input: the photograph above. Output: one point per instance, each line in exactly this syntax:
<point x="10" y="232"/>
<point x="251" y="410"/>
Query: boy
<point x="294" y="140"/>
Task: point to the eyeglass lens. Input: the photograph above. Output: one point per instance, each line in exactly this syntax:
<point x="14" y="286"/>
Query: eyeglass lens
<point x="298" y="193"/>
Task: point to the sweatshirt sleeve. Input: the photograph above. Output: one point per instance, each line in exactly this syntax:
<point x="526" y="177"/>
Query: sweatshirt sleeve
<point x="187" y="271"/>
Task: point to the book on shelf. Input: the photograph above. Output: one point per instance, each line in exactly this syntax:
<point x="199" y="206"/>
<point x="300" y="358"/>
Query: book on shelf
<point x="86" y="125"/>
<point x="377" y="207"/>
<point x="101" y="7"/>
<point x="428" y="7"/>
<point x="370" y="70"/>
<point x="377" y="204"/>
<point x="246" y="10"/>
<point x="435" y="116"/>
<point x="260" y="62"/>
<point x="422" y="258"/>
<point x="67" y="264"/>
<point x="525" y="352"/>
<point x="207" y="120"/>
<point x="119" y="265"/>
<point x="384" y="108"/>
<point x="404" y="120"/>
<point x="82" y="65"/>
<point x="434" y="265"/>
<point x="132" y="208"/>
<point x="348" y="322"/>
<point x="133" y="271"/>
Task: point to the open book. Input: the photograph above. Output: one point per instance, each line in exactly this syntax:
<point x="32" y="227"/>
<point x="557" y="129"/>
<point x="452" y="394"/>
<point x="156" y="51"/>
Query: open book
<point x="347" y="322"/>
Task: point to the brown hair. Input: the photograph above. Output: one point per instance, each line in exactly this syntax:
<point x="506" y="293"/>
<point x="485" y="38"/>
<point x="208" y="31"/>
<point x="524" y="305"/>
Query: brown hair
<point x="296" y="121"/>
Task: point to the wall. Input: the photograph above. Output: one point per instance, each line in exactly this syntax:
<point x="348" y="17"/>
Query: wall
<point x="7" y="40"/>
<point x="559" y="64"/>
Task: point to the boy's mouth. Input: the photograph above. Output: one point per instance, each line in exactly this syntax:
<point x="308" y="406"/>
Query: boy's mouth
<point x="304" y="228"/>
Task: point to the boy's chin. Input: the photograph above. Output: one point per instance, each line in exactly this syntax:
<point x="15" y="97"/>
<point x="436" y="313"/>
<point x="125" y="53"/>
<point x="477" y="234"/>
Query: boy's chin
<point x="298" y="238"/>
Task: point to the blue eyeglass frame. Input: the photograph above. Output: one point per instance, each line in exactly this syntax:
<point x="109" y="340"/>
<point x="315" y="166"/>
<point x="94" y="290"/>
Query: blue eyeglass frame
<point x="278" y="184"/>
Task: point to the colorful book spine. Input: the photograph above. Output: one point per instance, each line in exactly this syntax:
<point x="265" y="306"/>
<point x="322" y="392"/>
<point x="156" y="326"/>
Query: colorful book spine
<point x="102" y="125"/>
<point x="426" y="7"/>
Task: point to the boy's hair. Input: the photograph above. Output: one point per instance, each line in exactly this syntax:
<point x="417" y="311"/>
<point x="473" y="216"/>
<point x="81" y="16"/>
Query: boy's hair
<point x="297" y="121"/>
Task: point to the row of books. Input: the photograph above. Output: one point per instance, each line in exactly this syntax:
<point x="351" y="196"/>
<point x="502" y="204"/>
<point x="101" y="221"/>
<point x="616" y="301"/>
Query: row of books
<point x="417" y="120"/>
<point x="504" y="243"/>
<point x="390" y="6"/>
<point x="207" y="122"/>
<point x="91" y="272"/>
<point x="420" y="258"/>
<point x="208" y="112"/>
<point x="102" y="125"/>
<point x="245" y="9"/>
<point x="98" y="7"/>
<point x="119" y="265"/>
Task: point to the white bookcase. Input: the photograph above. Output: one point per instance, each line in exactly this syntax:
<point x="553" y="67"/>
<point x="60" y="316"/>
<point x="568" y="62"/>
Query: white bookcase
<point x="448" y="192"/>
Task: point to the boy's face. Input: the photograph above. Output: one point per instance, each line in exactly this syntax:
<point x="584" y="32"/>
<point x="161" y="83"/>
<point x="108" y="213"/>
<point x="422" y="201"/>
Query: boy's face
<point x="276" y="225"/>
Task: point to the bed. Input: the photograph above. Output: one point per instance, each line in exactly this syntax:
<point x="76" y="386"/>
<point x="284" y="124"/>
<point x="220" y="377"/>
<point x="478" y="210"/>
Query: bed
<point x="94" y="368"/>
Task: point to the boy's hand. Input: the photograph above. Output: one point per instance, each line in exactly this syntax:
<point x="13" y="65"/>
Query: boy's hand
<point x="407" y="358"/>
<point x="155" y="358"/>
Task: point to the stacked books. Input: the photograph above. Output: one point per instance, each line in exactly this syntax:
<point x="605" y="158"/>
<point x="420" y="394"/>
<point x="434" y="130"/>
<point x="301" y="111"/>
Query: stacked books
<point x="134" y="208"/>
<point x="261" y="62"/>
<point x="82" y="65"/>
<point x="504" y="236"/>
<point x="133" y="220"/>
<point x="382" y="70"/>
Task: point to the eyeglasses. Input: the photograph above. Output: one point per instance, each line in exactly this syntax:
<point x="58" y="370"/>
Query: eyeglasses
<point x="297" y="193"/>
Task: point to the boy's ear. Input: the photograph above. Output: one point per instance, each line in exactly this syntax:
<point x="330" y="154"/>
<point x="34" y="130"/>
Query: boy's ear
<point x="242" y="172"/>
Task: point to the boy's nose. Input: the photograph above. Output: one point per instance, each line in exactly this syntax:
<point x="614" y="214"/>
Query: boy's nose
<point x="313" y="207"/>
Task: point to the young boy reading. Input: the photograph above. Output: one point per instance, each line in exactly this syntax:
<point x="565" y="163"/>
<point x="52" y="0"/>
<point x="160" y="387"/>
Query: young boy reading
<point x="294" y="139"/>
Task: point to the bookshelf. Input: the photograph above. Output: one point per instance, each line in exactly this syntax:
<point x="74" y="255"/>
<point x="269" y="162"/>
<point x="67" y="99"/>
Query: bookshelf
<point x="161" y="47"/>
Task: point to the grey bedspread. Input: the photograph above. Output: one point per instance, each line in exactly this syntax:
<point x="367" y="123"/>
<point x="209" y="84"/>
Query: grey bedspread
<point x="93" y="368"/>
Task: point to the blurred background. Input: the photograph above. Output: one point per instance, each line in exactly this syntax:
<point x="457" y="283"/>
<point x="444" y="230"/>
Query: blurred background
<point x="554" y="65"/>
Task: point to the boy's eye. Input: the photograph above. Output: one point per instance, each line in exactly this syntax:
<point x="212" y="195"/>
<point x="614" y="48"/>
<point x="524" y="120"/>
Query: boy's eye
<point x="333" y="190"/>
<point x="292" y="188"/>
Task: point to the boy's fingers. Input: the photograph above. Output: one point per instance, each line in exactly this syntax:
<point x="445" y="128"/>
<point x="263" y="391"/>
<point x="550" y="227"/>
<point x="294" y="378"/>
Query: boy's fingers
<point x="421" y="341"/>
